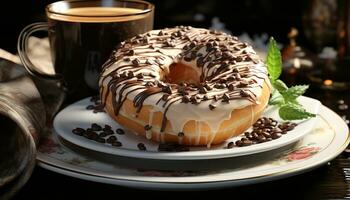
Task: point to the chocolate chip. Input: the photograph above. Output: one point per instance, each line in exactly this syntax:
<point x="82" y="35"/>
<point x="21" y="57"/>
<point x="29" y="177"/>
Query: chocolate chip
<point x="160" y="33"/>
<point x="130" y="74"/>
<point x="181" y="134"/>
<point x="96" y="127"/>
<point x="226" y="97"/>
<point x="244" y="93"/>
<point x="136" y="61"/>
<point x="78" y="131"/>
<point x="139" y="76"/>
<point x="185" y="99"/>
<point x="212" y="107"/>
<point x="239" y="59"/>
<point x="130" y="53"/>
<point x="167" y="89"/>
<point x="148" y="127"/>
<point x="219" y="86"/>
<point x="165" y="97"/>
<point x="120" y="131"/>
<point x="141" y="146"/>
<point x="207" y="87"/>
<point x="202" y="89"/>
<point x="231" y="87"/>
<point x="205" y="97"/>
<point x="195" y="100"/>
<point x="117" y="144"/>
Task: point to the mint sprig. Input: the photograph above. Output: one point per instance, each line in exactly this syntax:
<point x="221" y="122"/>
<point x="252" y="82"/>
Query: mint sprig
<point x="283" y="97"/>
<point x="274" y="61"/>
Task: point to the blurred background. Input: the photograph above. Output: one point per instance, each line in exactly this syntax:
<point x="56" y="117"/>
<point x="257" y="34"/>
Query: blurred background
<point x="313" y="34"/>
<point x="252" y="16"/>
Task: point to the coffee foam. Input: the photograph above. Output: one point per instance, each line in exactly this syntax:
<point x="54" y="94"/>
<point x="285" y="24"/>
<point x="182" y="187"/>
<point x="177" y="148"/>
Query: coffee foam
<point x="98" y="14"/>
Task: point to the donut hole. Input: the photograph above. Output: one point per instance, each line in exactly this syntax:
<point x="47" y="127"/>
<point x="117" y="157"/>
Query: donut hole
<point x="180" y="73"/>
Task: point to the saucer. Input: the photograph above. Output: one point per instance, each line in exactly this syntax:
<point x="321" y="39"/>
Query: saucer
<point x="326" y="140"/>
<point x="76" y="115"/>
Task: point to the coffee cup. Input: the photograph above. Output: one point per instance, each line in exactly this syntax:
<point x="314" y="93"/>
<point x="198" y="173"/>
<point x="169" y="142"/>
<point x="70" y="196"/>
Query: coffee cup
<point x="82" y="35"/>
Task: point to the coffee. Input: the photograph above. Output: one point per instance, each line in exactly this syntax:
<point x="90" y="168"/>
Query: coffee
<point x="98" y="14"/>
<point x="82" y="36"/>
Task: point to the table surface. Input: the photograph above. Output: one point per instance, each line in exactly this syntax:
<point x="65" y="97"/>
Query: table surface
<point x="330" y="181"/>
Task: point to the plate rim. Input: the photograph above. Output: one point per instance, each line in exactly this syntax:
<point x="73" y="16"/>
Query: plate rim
<point x="269" y="176"/>
<point x="193" y="155"/>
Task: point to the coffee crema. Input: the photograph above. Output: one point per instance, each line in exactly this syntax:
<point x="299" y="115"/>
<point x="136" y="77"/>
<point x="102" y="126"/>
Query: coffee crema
<point x="97" y="14"/>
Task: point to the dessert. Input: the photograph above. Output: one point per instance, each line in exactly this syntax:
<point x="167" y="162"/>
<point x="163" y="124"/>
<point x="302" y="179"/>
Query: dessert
<point x="185" y="85"/>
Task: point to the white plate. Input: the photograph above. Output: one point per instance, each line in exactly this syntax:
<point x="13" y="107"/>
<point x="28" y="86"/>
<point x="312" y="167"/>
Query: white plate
<point x="327" y="139"/>
<point x="76" y="115"/>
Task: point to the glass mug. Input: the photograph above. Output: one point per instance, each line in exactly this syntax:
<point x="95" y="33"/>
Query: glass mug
<point x="82" y="35"/>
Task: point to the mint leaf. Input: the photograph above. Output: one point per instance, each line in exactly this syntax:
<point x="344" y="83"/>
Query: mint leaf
<point x="280" y="85"/>
<point x="276" y="98"/>
<point x="274" y="60"/>
<point x="294" y="92"/>
<point x="293" y="112"/>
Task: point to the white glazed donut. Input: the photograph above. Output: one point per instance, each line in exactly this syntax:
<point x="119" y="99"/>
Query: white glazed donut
<point x="186" y="85"/>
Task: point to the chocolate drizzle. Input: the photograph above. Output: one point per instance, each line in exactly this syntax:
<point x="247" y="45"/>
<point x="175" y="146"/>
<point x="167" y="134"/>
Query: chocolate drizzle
<point x="229" y="69"/>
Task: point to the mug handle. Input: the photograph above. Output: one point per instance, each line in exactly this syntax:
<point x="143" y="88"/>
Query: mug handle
<point x="22" y="44"/>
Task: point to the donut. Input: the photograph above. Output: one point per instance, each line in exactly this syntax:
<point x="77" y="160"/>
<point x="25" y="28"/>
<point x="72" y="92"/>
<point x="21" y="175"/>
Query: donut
<point x="185" y="85"/>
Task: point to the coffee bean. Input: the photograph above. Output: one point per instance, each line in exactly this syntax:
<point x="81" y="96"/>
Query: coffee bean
<point x="92" y="135"/>
<point x="78" y="131"/>
<point x="107" y="127"/>
<point x="117" y="144"/>
<point x="289" y="128"/>
<point x="109" y="131"/>
<point x="239" y="143"/>
<point x="266" y="134"/>
<point x="276" y="135"/>
<point x="141" y="146"/>
<point x="276" y="130"/>
<point x="120" y="131"/>
<point x="103" y="134"/>
<point x="230" y="145"/>
<point x="246" y="143"/>
<point x="111" y="139"/>
<point x="261" y="139"/>
<point x="96" y="127"/>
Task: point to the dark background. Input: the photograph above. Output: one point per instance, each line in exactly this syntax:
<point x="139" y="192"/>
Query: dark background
<point x="253" y="16"/>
